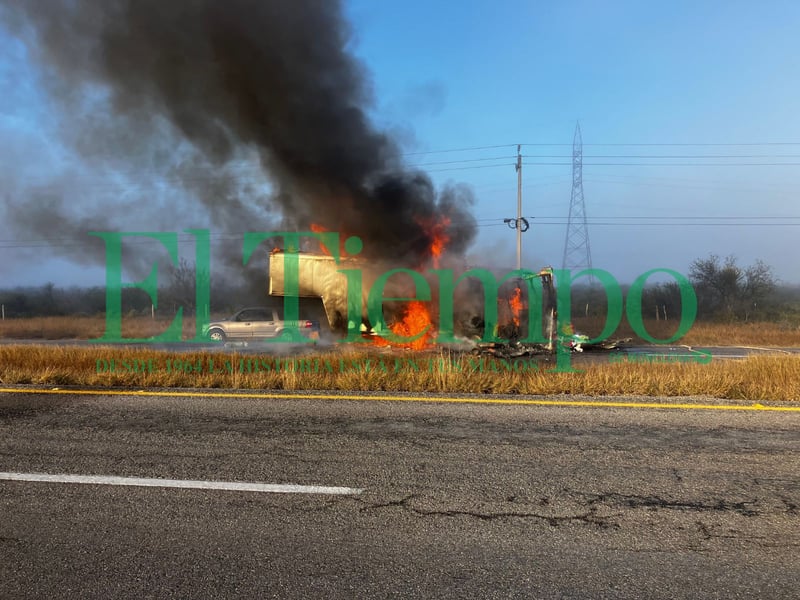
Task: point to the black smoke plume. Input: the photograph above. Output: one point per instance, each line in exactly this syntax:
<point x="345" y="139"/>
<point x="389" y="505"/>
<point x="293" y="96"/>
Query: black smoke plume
<point x="192" y="89"/>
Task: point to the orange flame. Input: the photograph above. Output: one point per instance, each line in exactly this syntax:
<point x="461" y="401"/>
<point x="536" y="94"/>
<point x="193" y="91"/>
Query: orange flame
<point x="316" y="228"/>
<point x="437" y="232"/>
<point x="416" y="317"/>
<point x="515" y="303"/>
<point x="415" y="320"/>
<point x="440" y="239"/>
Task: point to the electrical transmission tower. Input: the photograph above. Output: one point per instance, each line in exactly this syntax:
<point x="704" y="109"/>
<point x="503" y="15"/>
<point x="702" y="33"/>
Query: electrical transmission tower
<point x="577" y="254"/>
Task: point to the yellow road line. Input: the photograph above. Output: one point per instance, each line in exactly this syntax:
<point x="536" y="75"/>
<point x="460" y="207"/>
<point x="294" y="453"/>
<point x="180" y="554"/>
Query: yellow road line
<point x="390" y="398"/>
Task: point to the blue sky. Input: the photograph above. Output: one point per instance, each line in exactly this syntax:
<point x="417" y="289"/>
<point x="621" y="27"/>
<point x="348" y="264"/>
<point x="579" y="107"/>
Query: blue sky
<point x="631" y="72"/>
<point x="449" y="75"/>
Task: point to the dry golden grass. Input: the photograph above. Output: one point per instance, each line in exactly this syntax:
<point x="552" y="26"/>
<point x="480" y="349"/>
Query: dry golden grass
<point x="756" y="378"/>
<point x="773" y="377"/>
<point x="85" y="328"/>
<point x="743" y="334"/>
<point x="702" y="333"/>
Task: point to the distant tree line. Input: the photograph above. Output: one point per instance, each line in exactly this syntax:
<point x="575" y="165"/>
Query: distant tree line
<point x="725" y="291"/>
<point x="729" y="292"/>
<point x="49" y="300"/>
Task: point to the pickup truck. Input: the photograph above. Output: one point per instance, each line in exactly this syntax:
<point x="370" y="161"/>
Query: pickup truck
<point x="259" y="323"/>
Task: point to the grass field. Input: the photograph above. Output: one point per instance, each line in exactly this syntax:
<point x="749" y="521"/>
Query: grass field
<point x="771" y="335"/>
<point x="86" y="328"/>
<point x="766" y="377"/>
<point x="773" y="377"/>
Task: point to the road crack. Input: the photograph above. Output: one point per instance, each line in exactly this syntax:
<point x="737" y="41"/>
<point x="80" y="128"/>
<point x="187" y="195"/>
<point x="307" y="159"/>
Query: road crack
<point x="743" y="508"/>
<point x="590" y="517"/>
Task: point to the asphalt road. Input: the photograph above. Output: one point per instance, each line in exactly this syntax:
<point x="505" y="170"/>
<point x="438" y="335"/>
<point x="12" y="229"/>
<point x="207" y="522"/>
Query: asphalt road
<point x="459" y="500"/>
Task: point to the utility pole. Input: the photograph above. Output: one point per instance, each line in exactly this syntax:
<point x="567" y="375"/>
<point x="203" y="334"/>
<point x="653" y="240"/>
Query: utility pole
<point x="519" y="206"/>
<point x="520" y="223"/>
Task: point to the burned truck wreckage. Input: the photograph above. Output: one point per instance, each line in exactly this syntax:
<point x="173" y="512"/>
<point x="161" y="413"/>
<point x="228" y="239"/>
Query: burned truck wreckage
<point x="507" y="316"/>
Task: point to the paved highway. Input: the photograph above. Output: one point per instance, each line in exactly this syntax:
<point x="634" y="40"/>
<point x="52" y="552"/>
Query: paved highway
<point x="430" y="499"/>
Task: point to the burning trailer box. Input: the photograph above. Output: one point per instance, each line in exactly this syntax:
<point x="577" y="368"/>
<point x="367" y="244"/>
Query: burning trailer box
<point x="320" y="277"/>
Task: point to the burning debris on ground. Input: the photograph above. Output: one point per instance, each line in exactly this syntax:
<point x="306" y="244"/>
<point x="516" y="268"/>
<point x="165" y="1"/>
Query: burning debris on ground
<point x="516" y="349"/>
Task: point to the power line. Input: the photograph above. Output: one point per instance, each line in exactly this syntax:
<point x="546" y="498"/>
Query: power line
<point x="690" y="144"/>
<point x="664" y="156"/>
<point x="666" y="182"/>
<point x="623" y="164"/>
<point x="682" y="224"/>
<point x="467" y="160"/>
<point x="592" y="219"/>
<point x="671" y="164"/>
<point x="470" y="168"/>
<point x="535" y="222"/>
<point x="609" y="144"/>
<point x="257" y="175"/>
<point x="616" y="156"/>
<point x="468" y="149"/>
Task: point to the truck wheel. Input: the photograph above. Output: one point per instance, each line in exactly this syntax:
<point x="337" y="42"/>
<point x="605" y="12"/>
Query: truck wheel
<point x="216" y="335"/>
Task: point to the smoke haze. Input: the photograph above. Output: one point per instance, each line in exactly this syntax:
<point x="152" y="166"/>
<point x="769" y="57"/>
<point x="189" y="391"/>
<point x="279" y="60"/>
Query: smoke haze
<point x="242" y="115"/>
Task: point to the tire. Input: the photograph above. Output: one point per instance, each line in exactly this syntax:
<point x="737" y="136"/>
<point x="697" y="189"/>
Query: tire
<point x="285" y="336"/>
<point x="216" y="335"/>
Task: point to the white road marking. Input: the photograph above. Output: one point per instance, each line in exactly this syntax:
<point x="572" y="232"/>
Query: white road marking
<point x="239" y="486"/>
